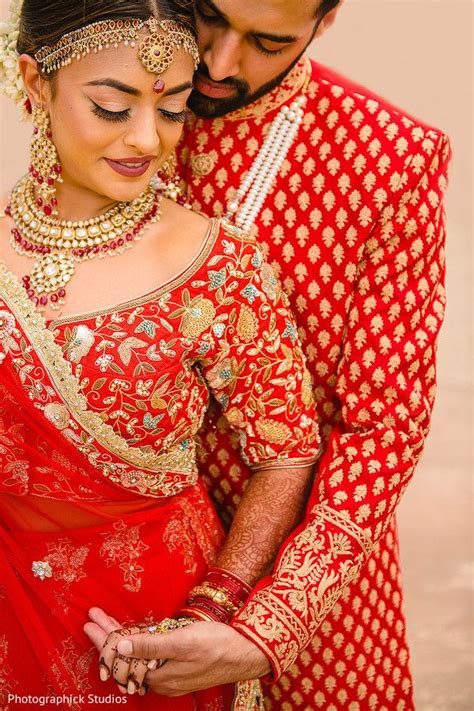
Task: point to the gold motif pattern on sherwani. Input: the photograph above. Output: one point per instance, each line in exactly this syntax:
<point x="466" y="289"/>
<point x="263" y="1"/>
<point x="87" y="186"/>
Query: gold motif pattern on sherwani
<point x="355" y="229"/>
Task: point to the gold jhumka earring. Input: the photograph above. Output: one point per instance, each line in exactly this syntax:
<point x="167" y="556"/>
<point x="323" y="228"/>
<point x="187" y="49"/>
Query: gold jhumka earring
<point x="45" y="167"/>
<point x="167" y="182"/>
<point x="58" y="245"/>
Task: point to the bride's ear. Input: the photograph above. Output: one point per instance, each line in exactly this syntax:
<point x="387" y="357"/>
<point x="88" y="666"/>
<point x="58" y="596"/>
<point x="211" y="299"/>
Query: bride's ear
<point x="36" y="87"/>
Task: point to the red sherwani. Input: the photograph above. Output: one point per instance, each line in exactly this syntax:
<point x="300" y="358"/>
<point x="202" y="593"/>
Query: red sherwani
<point x="354" y="226"/>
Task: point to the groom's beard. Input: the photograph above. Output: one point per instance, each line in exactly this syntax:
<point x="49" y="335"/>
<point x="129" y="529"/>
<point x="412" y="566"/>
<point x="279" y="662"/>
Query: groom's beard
<point x="208" y="107"/>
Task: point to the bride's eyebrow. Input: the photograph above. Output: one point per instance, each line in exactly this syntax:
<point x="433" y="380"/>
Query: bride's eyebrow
<point x="126" y="89"/>
<point x="115" y="84"/>
<point x="178" y="89"/>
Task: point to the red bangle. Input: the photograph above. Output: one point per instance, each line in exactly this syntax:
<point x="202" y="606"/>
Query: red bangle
<point x="211" y="609"/>
<point x="232" y="576"/>
<point x="230" y="582"/>
<point x="233" y="588"/>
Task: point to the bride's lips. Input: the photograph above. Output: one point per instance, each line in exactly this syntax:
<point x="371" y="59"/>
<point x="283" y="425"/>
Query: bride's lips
<point x="212" y="89"/>
<point x="130" y="167"/>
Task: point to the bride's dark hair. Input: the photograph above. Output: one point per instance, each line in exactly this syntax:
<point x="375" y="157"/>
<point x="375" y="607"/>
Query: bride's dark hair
<point x="43" y="22"/>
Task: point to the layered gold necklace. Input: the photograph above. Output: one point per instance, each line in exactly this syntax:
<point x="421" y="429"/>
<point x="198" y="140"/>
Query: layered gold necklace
<point x="58" y="245"/>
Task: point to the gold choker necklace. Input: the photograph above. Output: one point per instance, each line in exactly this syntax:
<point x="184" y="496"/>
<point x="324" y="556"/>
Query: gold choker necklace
<point x="58" y="245"/>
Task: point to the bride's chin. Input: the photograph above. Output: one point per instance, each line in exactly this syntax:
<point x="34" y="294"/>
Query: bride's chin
<point x="126" y="193"/>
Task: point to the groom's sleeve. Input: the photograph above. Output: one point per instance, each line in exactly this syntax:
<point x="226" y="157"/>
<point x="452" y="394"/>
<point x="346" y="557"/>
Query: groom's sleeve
<point x="386" y="386"/>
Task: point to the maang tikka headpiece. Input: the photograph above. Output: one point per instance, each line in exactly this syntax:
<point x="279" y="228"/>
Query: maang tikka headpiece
<point x="156" y="50"/>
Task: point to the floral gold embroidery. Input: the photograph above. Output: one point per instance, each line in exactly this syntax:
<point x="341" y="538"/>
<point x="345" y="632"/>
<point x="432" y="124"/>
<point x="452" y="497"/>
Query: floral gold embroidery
<point x="77" y="665"/>
<point x="67" y="560"/>
<point x="124" y="546"/>
<point x="81" y="341"/>
<point x="7" y="324"/>
<point x="246" y="325"/>
<point x="199" y="316"/>
<point x="273" y="431"/>
<point x="177" y="538"/>
<point x="136" y="383"/>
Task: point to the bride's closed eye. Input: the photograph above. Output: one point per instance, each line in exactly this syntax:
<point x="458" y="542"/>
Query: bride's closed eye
<point x="121" y="116"/>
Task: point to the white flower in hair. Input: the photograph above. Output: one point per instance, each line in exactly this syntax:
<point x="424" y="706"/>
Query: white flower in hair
<point x="11" y="83"/>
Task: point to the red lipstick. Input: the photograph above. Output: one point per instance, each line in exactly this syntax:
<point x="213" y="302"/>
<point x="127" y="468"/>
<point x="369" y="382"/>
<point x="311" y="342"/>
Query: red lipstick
<point x="131" y="167"/>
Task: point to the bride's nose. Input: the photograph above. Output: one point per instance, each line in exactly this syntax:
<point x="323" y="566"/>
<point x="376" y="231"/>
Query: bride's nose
<point x="142" y="132"/>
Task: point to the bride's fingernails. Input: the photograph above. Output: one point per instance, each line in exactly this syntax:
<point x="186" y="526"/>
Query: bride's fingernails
<point x="131" y="688"/>
<point x="153" y="664"/>
<point x="104" y="674"/>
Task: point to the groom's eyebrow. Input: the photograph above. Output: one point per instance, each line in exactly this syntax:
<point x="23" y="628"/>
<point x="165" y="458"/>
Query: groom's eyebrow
<point x="281" y="39"/>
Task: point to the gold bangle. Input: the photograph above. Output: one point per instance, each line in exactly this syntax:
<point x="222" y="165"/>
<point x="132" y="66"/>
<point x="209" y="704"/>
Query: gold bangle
<point x="218" y="596"/>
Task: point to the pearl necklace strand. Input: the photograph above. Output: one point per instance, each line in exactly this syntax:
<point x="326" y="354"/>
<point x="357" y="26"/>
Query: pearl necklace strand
<point x="247" y="202"/>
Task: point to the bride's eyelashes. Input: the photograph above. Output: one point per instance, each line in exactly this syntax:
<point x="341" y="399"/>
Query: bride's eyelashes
<point x="121" y="116"/>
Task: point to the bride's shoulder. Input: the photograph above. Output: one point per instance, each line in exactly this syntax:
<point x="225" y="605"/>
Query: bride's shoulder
<point x="186" y="220"/>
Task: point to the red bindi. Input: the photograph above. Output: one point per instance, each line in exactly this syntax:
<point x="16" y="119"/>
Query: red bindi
<point x="159" y="86"/>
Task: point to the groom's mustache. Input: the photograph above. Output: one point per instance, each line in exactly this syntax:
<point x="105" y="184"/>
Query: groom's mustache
<point x="241" y="86"/>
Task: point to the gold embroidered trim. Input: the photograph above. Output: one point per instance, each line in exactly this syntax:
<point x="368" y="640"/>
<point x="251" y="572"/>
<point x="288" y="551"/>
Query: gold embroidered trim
<point x="344" y="522"/>
<point x="173" y="283"/>
<point x="248" y="696"/>
<point x="309" y="578"/>
<point x="289" y="631"/>
<point x="175" y="460"/>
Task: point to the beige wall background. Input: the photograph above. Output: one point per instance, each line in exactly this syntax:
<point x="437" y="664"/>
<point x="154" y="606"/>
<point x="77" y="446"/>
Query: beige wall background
<point x="417" y="53"/>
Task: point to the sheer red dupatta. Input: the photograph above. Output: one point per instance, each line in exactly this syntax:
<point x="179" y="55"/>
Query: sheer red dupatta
<point x="36" y="458"/>
<point x="53" y="497"/>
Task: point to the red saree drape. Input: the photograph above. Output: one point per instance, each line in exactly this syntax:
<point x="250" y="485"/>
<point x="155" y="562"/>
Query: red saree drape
<point x="100" y="500"/>
<point x="134" y="556"/>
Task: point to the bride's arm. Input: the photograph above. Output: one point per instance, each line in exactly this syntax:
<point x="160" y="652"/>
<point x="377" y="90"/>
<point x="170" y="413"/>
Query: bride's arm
<point x="255" y="368"/>
<point x="271" y="507"/>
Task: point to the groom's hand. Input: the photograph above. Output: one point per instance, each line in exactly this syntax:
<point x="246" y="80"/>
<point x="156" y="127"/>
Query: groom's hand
<point x="199" y="656"/>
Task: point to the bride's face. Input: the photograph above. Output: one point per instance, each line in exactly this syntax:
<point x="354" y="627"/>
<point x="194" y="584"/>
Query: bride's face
<point x="111" y="129"/>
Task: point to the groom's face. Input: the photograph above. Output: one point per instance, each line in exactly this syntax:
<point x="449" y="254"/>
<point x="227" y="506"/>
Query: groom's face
<point x="247" y="48"/>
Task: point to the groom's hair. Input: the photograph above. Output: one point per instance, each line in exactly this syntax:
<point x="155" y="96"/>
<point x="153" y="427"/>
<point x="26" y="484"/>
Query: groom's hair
<point x="325" y="7"/>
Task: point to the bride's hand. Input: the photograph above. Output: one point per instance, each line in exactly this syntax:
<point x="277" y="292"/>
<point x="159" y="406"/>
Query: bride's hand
<point x="105" y="633"/>
<point x="200" y="656"/>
